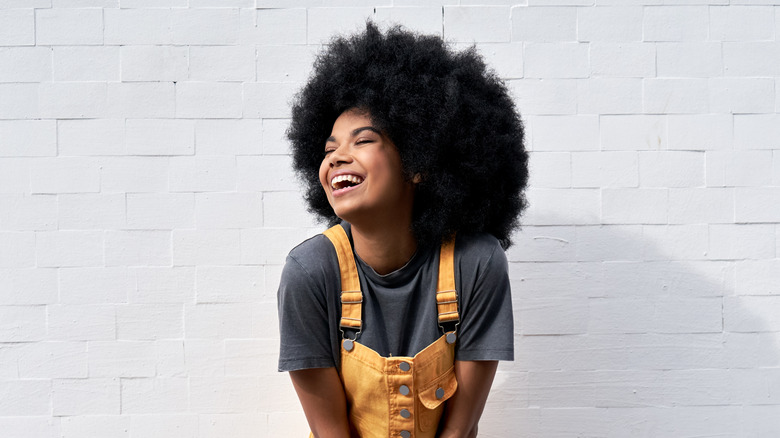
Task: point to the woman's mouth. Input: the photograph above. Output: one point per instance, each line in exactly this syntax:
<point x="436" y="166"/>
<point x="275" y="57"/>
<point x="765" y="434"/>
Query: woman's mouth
<point x="342" y="182"/>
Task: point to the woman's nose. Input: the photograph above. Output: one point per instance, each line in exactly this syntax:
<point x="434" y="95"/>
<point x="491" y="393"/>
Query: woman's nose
<point x="340" y="155"/>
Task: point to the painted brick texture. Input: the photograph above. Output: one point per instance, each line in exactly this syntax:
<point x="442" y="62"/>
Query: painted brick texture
<point x="147" y="205"/>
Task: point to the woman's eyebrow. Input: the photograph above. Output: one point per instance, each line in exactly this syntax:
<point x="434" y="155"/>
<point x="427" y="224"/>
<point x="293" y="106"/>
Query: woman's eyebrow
<point x="356" y="131"/>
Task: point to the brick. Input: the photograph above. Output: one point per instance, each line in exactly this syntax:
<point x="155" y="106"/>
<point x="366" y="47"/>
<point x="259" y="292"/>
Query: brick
<point x="28" y="286"/>
<point x="47" y="360"/>
<point x="95" y="426"/>
<point x="740" y="242"/>
<point x="198" y="174"/>
<point x="477" y="24"/>
<point x="22" y="323"/>
<point x="91" y="137"/>
<point x="17" y="27"/>
<point x="545" y="96"/>
<point x="85" y="3"/>
<point x="284" y="63"/>
<point x="556" y="60"/>
<point x="564" y="133"/>
<point x="543" y="244"/>
<point x="91" y="211"/>
<point x="741" y="95"/>
<point x="702" y="420"/>
<point x="751" y="59"/>
<point x="758" y="277"/>
<point x="19" y="101"/>
<point x="222" y="321"/>
<point x="741" y="23"/>
<point x="424" y="19"/>
<point x="138" y="248"/>
<point x="757" y="131"/>
<point x="609" y="23"/>
<point x="676" y="23"/>
<point x="622" y="59"/>
<point x="222" y="3"/>
<point x="597" y="243"/>
<point x="141" y="100"/>
<point x="550" y="170"/>
<point x="162" y="285"/>
<point x="155" y="211"/>
<point x="284" y="423"/>
<point x="557" y="316"/>
<point x="69" y="27"/>
<point x="265" y="173"/>
<point x="14" y="180"/>
<point x="30" y="426"/>
<point x="665" y="278"/>
<point x="179" y="425"/>
<point x="208" y="100"/>
<point x="243" y="355"/>
<point x="170" y="358"/>
<point x="25" y="64"/>
<point x="562" y="280"/>
<point x="271" y="245"/>
<point x="324" y="23"/>
<point x="563" y="206"/>
<point x="633" y="132"/>
<point x="94" y="285"/>
<point x="230" y="137"/>
<point x="154" y="395"/>
<point x="701" y="205"/>
<point x="757" y="204"/>
<point x="21" y="212"/>
<point x="268" y="100"/>
<point x="505" y="59"/>
<point x="236" y="393"/>
<point x="213" y="26"/>
<point x="671" y="169"/>
<point x="697" y="60"/>
<point x="273" y="26"/>
<point x="85" y="396"/>
<point x="65" y="175"/>
<point x="72" y="100"/>
<point x="224" y="63"/>
<point x="150" y="321"/>
<point x="546" y="24"/>
<point x="160" y="137"/>
<point x="739" y="168"/>
<point x="132" y="27"/>
<point x="776" y="169"/>
<point x="25" y="398"/>
<point x="609" y="96"/>
<point x="204" y="357"/>
<point x="634" y="206"/>
<point x="751" y="314"/>
<point x="28" y="138"/>
<point x="664" y="315"/>
<point x="674" y="96"/>
<point x="81" y="322"/>
<point x="674" y="242"/>
<point x="206" y="247"/>
<point x="286" y="209"/>
<point x="154" y="63"/>
<point x="275" y="137"/>
<point x="134" y="174"/>
<point x="229" y="284"/>
<point x="122" y="359"/>
<point x="246" y="210"/>
<point x="605" y="169"/>
<point x="86" y="63"/>
<point x="151" y="4"/>
<point x="697" y="132"/>
<point x="56" y="248"/>
<point x="240" y="425"/>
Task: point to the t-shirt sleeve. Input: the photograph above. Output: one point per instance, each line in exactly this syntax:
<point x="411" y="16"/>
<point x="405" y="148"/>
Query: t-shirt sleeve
<point x="486" y="331"/>
<point x="304" y="326"/>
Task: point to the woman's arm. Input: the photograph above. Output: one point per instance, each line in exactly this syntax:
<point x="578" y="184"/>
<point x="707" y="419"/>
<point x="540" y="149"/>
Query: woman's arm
<point x="323" y="400"/>
<point x="463" y="409"/>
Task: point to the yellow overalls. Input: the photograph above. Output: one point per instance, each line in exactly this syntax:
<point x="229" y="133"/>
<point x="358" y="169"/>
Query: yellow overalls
<point x="395" y="396"/>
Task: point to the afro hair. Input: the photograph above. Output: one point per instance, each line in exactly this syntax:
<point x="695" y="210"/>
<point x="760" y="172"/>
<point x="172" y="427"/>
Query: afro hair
<point x="451" y="118"/>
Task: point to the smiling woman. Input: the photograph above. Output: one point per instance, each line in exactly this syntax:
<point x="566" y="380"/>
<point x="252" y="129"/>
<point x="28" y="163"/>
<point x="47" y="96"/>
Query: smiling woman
<point x="392" y="321"/>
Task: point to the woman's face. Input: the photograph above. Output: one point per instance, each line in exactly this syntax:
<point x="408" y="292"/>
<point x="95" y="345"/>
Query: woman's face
<point x="361" y="172"/>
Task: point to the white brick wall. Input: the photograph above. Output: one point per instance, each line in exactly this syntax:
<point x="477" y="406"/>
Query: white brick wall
<point x="147" y="205"/>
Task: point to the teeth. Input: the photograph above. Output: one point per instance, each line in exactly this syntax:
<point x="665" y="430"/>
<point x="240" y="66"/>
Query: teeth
<point x="353" y="179"/>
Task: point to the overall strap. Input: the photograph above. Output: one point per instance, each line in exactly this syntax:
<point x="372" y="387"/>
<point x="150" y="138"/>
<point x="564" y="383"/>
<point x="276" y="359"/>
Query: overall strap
<point x="351" y="296"/>
<point x="446" y="295"/>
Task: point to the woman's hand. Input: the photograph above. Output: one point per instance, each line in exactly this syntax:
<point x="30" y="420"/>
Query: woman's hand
<point x="464" y="408"/>
<point x="323" y="400"/>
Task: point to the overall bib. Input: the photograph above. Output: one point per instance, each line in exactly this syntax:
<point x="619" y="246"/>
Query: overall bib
<point x="395" y="396"/>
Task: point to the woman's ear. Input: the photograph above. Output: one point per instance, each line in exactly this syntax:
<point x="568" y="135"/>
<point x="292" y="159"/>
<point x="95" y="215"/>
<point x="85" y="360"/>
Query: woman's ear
<point x="417" y="178"/>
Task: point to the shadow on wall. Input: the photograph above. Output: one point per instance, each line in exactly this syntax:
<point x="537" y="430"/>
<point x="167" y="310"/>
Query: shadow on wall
<point x="632" y="331"/>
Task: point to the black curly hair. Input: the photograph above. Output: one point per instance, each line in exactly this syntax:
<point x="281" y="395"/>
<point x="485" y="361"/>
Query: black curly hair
<point x="451" y="119"/>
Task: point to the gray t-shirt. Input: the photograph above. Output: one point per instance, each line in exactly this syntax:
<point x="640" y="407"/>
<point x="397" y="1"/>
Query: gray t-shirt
<point x="399" y="309"/>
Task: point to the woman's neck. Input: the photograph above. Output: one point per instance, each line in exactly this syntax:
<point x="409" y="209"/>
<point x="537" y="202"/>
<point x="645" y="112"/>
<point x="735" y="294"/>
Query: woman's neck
<point x="384" y="249"/>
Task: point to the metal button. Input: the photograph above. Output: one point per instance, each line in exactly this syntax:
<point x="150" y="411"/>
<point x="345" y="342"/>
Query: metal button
<point x="349" y="344"/>
<point x="406" y="434"/>
<point x="405" y="413"/>
<point x="404" y="390"/>
<point x="439" y="393"/>
<point x="405" y="366"/>
<point x="451" y="338"/>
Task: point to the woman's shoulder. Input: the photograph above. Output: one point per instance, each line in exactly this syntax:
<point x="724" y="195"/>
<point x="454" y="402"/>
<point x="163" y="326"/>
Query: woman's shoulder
<point x="477" y="245"/>
<point x="314" y="252"/>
